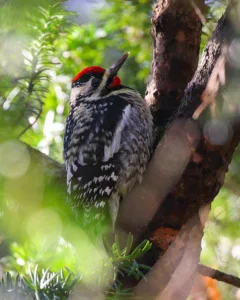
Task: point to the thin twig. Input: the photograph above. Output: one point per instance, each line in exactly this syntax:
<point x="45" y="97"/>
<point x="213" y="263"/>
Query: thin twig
<point x="219" y="276"/>
<point x="198" y="12"/>
<point x="37" y="117"/>
<point x="216" y="80"/>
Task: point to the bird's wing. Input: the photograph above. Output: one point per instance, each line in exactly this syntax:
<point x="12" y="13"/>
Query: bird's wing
<point x="92" y="143"/>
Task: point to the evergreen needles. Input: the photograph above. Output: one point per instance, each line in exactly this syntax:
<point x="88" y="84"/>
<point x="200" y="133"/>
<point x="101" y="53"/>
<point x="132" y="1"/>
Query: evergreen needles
<point x="46" y="285"/>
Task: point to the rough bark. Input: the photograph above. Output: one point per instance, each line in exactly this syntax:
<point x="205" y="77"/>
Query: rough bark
<point x="176" y="33"/>
<point x="204" y="175"/>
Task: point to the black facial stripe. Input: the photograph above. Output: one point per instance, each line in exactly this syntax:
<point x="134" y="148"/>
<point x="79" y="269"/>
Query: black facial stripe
<point x="85" y="78"/>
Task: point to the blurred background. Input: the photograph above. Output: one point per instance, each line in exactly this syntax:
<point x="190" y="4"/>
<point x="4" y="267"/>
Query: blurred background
<point x="42" y="47"/>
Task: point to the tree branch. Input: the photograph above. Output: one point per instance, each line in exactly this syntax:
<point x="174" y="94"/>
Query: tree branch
<point x="202" y="168"/>
<point x="185" y="174"/>
<point x="219" y="276"/>
<point x="53" y="171"/>
<point x="209" y="163"/>
<point x="176" y="32"/>
<point x="172" y="274"/>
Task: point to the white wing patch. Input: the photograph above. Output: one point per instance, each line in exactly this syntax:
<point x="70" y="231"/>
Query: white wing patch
<point x="115" y="145"/>
<point x="80" y="157"/>
<point x="113" y="203"/>
<point x="69" y="177"/>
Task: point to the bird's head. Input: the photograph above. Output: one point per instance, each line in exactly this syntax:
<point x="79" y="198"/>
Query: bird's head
<point x="96" y="80"/>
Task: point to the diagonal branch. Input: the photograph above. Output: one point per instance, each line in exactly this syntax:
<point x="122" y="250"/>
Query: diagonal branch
<point x="216" y="79"/>
<point x="218" y="275"/>
<point x="172" y="274"/>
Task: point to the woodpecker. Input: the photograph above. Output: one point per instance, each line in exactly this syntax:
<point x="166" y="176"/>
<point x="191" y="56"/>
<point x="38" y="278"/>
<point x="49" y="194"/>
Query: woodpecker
<point x="107" y="142"/>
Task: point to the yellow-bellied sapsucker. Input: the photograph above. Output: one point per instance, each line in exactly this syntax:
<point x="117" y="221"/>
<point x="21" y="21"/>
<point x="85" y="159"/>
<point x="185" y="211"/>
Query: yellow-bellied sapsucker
<point x="107" y="143"/>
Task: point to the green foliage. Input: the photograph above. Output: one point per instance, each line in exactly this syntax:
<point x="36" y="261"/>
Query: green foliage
<point x="125" y="260"/>
<point x="13" y="14"/>
<point x="44" y="286"/>
<point x="130" y="33"/>
<point x="38" y="60"/>
<point x="214" y="12"/>
<point x="30" y="80"/>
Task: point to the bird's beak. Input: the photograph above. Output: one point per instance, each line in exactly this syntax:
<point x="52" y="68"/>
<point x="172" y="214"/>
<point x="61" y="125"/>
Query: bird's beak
<point x="112" y="71"/>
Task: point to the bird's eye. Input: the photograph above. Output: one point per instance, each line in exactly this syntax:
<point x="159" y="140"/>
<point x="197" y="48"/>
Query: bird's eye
<point x="95" y="82"/>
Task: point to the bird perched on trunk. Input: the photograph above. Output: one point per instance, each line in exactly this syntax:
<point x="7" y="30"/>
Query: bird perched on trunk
<point x="107" y="143"/>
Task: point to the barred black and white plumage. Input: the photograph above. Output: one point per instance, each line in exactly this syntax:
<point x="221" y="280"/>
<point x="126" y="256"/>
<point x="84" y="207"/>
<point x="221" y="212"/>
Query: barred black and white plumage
<point x="107" y="142"/>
